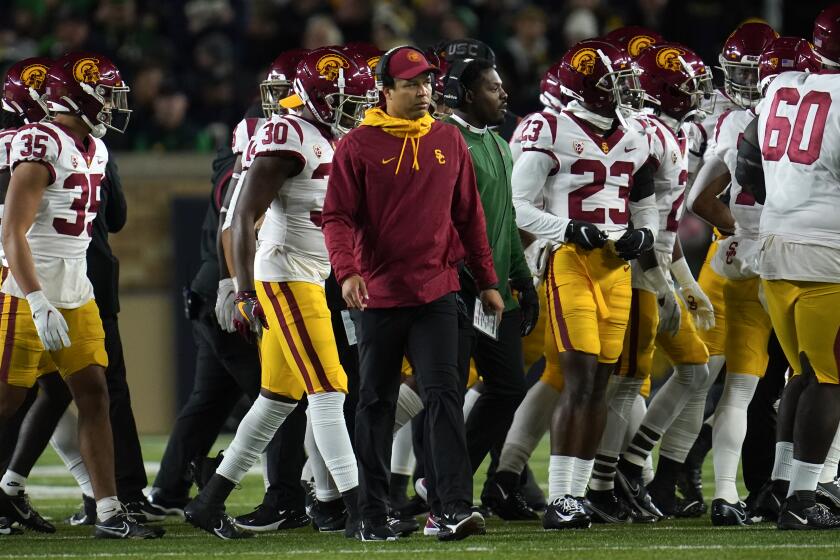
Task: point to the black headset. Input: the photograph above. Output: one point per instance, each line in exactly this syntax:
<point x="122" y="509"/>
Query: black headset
<point x="381" y="69"/>
<point x="454" y="91"/>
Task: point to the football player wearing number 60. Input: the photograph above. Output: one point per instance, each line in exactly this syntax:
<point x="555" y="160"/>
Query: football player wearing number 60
<point x="787" y="160"/>
<point x="48" y="310"/>
<point x="590" y="164"/>
<point x="281" y="284"/>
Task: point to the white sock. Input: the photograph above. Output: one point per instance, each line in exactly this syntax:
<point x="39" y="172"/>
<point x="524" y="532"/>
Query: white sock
<point x="106" y="508"/>
<point x="402" y="452"/>
<point x="729" y="431"/>
<point x="330" y="431"/>
<point x="647" y="471"/>
<point x="560" y="472"/>
<point x="469" y="402"/>
<point x="804" y="476"/>
<point x="409" y="405"/>
<point x="582" y="470"/>
<point x="671" y="398"/>
<point x="783" y="461"/>
<point x="681" y="435"/>
<point x="255" y="430"/>
<point x="65" y="442"/>
<point x="264" y="467"/>
<point x="624" y="392"/>
<point x="13" y="484"/>
<point x="829" y="472"/>
<point x="530" y="423"/>
<point x="637" y="414"/>
<point x="325" y="490"/>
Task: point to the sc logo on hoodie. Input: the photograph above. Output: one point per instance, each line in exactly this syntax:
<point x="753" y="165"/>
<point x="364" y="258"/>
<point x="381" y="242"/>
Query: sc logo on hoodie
<point x="440" y="157"/>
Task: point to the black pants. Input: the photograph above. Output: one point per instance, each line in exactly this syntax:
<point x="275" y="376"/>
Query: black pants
<point x="429" y="334"/>
<point x="499" y="363"/>
<point x="758" y="451"/>
<point x="226" y="368"/>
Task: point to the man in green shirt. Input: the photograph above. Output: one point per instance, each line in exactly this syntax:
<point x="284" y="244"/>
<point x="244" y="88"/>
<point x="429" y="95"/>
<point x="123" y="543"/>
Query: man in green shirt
<point x="474" y="91"/>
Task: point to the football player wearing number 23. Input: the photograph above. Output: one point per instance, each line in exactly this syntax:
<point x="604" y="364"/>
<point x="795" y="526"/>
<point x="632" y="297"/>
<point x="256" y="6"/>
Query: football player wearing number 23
<point x="48" y="311"/>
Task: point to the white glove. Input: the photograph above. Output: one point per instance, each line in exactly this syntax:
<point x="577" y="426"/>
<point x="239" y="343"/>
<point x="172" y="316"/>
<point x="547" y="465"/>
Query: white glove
<point x="225" y="304"/>
<point x="692" y="295"/>
<point x="49" y="322"/>
<point x="669" y="310"/>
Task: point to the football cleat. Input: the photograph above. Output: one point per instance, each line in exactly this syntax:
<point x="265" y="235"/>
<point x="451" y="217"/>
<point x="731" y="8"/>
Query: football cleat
<point x="768" y="501"/>
<point x="7" y="527"/>
<point x="214" y="521"/>
<point x="144" y="512"/>
<point x="637" y="496"/>
<point x="18" y="509"/>
<point x="531" y="491"/>
<point x="690" y="508"/>
<point x="797" y="516"/>
<point x="123" y="526"/>
<point x="163" y="504"/>
<point x="690" y="485"/>
<point x="375" y="533"/>
<point x="432" y="527"/>
<point x="664" y="498"/>
<point x="266" y="518"/>
<point x="605" y="507"/>
<point x="86" y="514"/>
<point x="828" y="494"/>
<point x="566" y="513"/>
<point x="412" y="508"/>
<point x="403" y="527"/>
<point x="202" y="469"/>
<point x="509" y="505"/>
<point x="726" y="514"/>
<point x="422" y="491"/>
<point x="329" y="517"/>
<point x="459" y="526"/>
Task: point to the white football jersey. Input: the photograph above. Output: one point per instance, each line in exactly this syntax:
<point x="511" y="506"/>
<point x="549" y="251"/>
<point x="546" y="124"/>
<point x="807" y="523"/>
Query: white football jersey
<point x="579" y="174"/>
<point x="247" y="158"/>
<point x="243" y="133"/>
<point x="292" y="246"/>
<point x="722" y="104"/>
<point x="60" y="235"/>
<point x="799" y="131"/>
<point x="744" y="208"/>
<point x="525" y="127"/>
<point x="6" y="136"/>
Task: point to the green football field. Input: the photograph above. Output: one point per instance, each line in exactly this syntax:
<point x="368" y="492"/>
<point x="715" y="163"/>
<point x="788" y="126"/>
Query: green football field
<point x="53" y="493"/>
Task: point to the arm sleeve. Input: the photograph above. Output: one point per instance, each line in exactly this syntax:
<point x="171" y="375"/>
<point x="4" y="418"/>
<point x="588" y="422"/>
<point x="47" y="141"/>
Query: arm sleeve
<point x="468" y="219"/>
<point x="116" y="211"/>
<point x="642" y="199"/>
<point x="344" y="191"/>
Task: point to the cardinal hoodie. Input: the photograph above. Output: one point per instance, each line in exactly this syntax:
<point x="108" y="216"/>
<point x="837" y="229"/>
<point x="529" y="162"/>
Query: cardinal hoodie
<point x="402" y="209"/>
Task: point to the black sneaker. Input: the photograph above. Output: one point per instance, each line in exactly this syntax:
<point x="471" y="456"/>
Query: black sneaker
<point x="202" y="469"/>
<point x="403" y="527"/>
<point x="329" y="517"/>
<point x="636" y="495"/>
<point x="459" y="526"/>
<point x="212" y="520"/>
<point x="266" y="518"/>
<point x="797" y="516"/>
<point x="7" y="527"/>
<point x="566" y="513"/>
<point x="686" y="508"/>
<point x="726" y="514"/>
<point x="509" y="505"/>
<point x="18" y="509"/>
<point x="166" y="505"/>
<point x="605" y="507"/>
<point x="143" y="511"/>
<point x="369" y="532"/>
<point x="828" y="494"/>
<point x="123" y="526"/>
<point x="412" y="508"/>
<point x="768" y="501"/>
<point x="86" y="514"/>
<point x="690" y="486"/>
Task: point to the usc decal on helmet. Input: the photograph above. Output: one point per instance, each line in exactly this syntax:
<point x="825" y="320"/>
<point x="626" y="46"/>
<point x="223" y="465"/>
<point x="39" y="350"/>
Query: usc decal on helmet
<point x="639" y="43"/>
<point x="373" y="61"/>
<point x="86" y="70"/>
<point x="33" y="75"/>
<point x="329" y="65"/>
<point x="669" y="59"/>
<point x="584" y="61"/>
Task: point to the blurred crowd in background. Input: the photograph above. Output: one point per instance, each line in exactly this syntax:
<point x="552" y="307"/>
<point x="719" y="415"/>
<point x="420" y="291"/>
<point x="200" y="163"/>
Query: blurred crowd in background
<point x="194" y="65"/>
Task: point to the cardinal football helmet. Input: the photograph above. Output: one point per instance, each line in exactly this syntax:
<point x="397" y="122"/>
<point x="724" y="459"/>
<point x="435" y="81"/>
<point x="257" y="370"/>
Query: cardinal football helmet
<point x="551" y="94"/>
<point x="278" y="84"/>
<point x="675" y="80"/>
<point x="739" y="61"/>
<point x="634" y="39"/>
<point x="827" y="36"/>
<point x="786" y="54"/>
<point x="23" y="87"/>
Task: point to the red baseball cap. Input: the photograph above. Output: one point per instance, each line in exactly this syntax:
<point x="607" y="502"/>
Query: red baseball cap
<point x="407" y="63"/>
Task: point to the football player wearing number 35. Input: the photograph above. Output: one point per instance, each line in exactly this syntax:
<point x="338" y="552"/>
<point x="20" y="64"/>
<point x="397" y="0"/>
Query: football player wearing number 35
<point x="590" y="164"/>
<point x="281" y="284"/>
<point x="787" y="160"/>
<point x="48" y="311"/>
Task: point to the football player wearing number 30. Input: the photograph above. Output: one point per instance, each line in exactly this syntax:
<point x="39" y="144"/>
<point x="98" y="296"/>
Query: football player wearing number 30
<point x="591" y="166"/>
<point x="48" y="311"/>
<point x="281" y="284"/>
<point x="787" y="161"/>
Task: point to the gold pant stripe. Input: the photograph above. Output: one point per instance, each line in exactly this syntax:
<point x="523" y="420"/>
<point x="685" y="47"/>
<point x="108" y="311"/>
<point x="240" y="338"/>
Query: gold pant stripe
<point x="9" y="305"/>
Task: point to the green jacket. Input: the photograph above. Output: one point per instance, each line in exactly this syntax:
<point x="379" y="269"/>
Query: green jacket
<point x="493" y="165"/>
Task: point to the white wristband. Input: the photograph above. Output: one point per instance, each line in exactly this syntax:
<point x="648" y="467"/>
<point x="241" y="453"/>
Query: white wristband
<point x="682" y="273"/>
<point x="235" y="284"/>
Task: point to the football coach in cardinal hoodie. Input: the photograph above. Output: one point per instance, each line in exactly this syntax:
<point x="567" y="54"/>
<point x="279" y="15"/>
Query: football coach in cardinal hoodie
<point x="401" y="211"/>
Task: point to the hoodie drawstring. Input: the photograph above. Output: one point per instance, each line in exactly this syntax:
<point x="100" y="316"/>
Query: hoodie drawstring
<point x="415" y="143"/>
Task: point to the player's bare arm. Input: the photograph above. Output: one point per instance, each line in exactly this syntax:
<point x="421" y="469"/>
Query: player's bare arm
<point x="26" y="189"/>
<point x="708" y="207"/>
